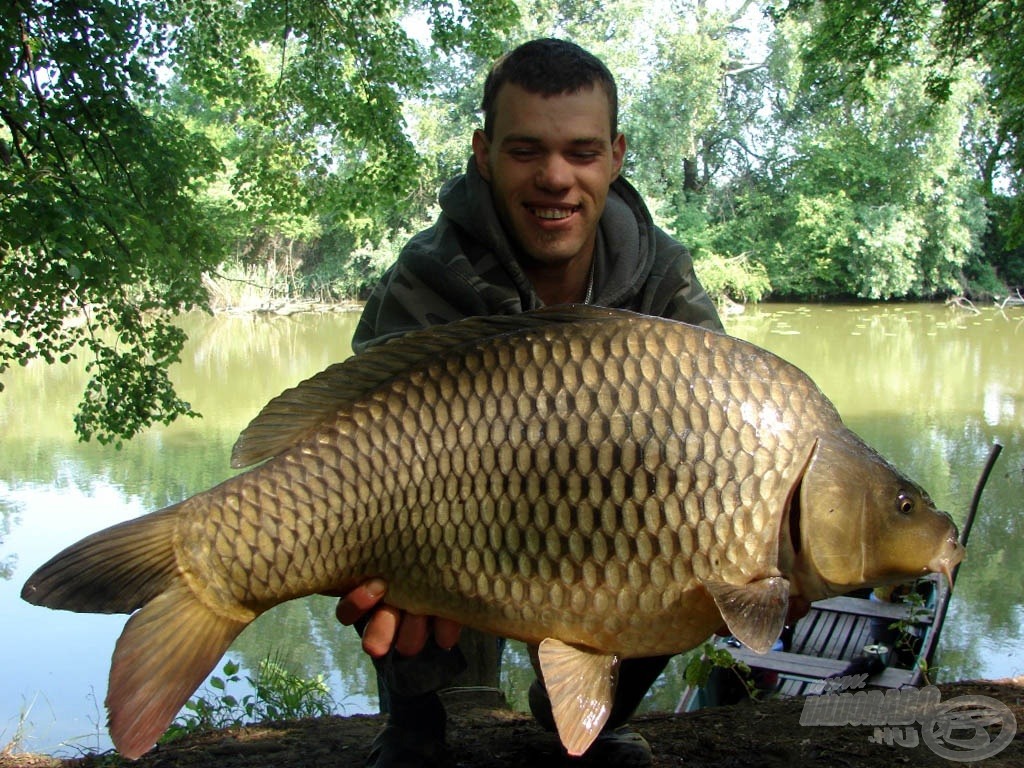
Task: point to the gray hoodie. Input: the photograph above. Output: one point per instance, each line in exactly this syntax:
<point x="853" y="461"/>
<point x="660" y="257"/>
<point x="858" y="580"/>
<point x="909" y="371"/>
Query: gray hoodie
<point x="465" y="265"/>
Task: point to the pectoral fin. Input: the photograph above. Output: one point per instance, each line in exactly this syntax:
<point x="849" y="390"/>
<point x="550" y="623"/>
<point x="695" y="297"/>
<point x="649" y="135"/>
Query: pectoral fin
<point x="755" y="613"/>
<point x="581" y="685"/>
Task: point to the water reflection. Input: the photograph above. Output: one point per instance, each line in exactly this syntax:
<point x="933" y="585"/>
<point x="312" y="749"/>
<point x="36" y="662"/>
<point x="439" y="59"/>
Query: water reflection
<point x="930" y="387"/>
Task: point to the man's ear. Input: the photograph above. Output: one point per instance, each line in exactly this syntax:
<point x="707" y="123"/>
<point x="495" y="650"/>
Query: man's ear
<point x="482" y="153"/>
<point x="618" y="154"/>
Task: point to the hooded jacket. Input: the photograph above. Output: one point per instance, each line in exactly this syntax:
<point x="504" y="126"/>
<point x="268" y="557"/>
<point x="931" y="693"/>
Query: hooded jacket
<point x="465" y="265"/>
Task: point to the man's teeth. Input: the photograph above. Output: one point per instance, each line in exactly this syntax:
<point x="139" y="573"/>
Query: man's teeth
<point x="553" y="213"/>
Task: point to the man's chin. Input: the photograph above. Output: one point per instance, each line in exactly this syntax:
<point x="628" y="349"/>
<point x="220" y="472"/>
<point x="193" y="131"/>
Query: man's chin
<point x="553" y="252"/>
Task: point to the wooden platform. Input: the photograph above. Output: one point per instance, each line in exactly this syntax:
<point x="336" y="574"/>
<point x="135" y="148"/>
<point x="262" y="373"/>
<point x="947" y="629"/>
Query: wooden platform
<point x="892" y="641"/>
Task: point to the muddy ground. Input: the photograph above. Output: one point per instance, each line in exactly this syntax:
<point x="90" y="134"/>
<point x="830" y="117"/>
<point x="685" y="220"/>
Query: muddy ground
<point x="765" y="734"/>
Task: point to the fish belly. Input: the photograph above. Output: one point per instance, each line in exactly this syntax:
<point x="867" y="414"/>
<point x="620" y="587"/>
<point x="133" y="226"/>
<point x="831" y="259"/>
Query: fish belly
<point x="578" y="483"/>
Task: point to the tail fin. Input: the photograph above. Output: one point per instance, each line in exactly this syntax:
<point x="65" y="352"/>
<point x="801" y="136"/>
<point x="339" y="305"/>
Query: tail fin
<point x="167" y="648"/>
<point x="116" y="570"/>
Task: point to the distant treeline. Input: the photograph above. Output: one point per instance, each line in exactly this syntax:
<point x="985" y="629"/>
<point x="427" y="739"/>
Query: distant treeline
<point x="804" y="149"/>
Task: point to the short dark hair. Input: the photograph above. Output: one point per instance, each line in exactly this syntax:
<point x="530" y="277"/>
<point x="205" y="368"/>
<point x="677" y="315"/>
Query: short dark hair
<point x="549" y="67"/>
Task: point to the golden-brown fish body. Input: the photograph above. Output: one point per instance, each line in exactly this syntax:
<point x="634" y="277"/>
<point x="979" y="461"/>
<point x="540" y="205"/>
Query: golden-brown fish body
<point x="559" y="479"/>
<point x="609" y="484"/>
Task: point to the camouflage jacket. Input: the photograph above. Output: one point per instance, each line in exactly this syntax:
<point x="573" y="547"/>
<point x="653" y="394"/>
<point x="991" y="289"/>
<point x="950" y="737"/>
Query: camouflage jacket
<point x="465" y="265"/>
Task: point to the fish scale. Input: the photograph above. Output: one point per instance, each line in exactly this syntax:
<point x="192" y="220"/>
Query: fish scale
<point x="595" y="482"/>
<point x="577" y="443"/>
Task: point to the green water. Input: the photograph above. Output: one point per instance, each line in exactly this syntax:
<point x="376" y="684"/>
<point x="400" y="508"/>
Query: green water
<point x="932" y="388"/>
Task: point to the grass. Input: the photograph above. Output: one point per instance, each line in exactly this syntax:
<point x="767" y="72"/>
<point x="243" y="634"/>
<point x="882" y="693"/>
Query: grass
<point x="16" y="742"/>
<point x="277" y="694"/>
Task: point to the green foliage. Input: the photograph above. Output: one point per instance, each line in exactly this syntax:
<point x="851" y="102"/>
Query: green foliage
<point x="734" y="277"/>
<point x="313" y="95"/>
<point x="873" y="199"/>
<point x="693" y="116"/>
<point x="139" y="142"/>
<point x="865" y="148"/>
<point x="907" y="631"/>
<point x="344" y="271"/>
<point x="856" y="42"/>
<point x="277" y="695"/>
<point x="1000" y="258"/>
<point x="709" y="658"/>
<point x="100" y="227"/>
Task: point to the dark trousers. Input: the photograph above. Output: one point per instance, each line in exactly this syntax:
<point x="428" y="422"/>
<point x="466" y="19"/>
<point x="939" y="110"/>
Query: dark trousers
<point x="404" y="683"/>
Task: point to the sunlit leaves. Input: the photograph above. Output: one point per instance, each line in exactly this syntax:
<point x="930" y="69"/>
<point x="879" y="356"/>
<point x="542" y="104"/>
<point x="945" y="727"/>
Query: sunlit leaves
<point x="141" y="142"/>
<point x="856" y="42"/>
<point x="129" y="386"/>
<point x="99" y="224"/>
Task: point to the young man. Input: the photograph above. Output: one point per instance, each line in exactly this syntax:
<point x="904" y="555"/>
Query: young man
<point x="541" y="217"/>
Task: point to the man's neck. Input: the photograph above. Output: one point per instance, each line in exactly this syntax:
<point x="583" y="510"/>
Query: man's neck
<point x="565" y="283"/>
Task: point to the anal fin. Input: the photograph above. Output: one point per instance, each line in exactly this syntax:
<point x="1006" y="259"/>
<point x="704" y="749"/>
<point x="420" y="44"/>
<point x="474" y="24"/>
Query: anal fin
<point x="581" y="686"/>
<point x="164" y="653"/>
<point x="756" y="612"/>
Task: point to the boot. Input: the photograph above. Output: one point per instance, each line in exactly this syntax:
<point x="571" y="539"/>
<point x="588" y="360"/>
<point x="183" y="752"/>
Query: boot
<point x="414" y="735"/>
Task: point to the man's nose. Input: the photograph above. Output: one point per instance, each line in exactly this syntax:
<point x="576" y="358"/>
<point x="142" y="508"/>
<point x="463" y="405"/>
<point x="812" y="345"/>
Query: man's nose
<point x="554" y="173"/>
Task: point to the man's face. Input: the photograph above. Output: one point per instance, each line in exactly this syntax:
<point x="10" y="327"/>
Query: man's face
<point x="550" y="163"/>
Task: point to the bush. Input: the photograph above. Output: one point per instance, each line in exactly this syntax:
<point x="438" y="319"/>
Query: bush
<point x="277" y="695"/>
<point x="732" y="277"/>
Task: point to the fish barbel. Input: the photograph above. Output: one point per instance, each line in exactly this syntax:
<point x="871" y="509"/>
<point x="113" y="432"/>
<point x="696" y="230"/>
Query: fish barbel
<point x="602" y="484"/>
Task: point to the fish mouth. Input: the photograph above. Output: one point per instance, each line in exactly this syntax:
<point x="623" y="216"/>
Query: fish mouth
<point x="946" y="561"/>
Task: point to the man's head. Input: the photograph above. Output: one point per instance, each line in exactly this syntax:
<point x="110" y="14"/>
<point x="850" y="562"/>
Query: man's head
<point x="550" y="152"/>
<point x="548" y="67"/>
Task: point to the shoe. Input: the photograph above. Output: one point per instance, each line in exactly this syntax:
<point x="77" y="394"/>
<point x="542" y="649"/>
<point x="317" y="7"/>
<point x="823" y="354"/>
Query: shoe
<point x="619" y="748"/>
<point x="402" y="747"/>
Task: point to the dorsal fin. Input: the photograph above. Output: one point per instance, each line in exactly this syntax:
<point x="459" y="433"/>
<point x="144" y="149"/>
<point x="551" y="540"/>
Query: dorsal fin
<point x="297" y="412"/>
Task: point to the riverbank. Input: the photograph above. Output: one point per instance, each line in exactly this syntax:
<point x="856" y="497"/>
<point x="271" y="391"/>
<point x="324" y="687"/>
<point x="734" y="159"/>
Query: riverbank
<point x="765" y="734"/>
<point x="286" y="307"/>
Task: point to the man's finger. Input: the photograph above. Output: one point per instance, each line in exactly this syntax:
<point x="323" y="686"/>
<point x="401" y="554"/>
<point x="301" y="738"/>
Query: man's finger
<point x="412" y="634"/>
<point x="380" y="631"/>
<point x="360" y="601"/>
<point x="446" y="633"/>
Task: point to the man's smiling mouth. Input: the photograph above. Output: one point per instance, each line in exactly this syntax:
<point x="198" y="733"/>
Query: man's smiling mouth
<point x="552" y="214"/>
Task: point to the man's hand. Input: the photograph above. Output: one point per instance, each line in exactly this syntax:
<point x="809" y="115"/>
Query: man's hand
<point x="390" y="627"/>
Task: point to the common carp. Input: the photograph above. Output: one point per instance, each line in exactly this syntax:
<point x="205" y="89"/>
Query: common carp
<point x="599" y="483"/>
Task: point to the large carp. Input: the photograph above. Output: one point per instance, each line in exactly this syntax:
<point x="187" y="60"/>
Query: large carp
<point x="600" y="483"/>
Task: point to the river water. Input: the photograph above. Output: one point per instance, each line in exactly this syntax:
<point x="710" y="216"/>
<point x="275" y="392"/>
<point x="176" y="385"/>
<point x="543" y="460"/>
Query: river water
<point x="931" y="387"/>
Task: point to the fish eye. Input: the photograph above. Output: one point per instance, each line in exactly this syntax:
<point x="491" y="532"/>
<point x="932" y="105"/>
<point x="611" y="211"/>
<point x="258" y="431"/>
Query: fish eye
<point x="904" y="503"/>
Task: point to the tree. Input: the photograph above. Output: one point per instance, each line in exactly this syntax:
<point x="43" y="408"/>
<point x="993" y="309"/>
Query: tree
<point x="702" y="102"/>
<point x="864" y="195"/>
<point x="878" y="201"/>
<point x="107" y="227"/>
<point x="855" y="41"/>
<point x="100" y="225"/>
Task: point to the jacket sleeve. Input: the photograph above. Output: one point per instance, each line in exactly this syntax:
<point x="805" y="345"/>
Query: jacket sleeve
<point x="678" y="295"/>
<point x="432" y="282"/>
<point x="408" y="298"/>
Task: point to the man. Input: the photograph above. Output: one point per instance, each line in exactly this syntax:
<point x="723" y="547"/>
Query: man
<point x="541" y="217"/>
